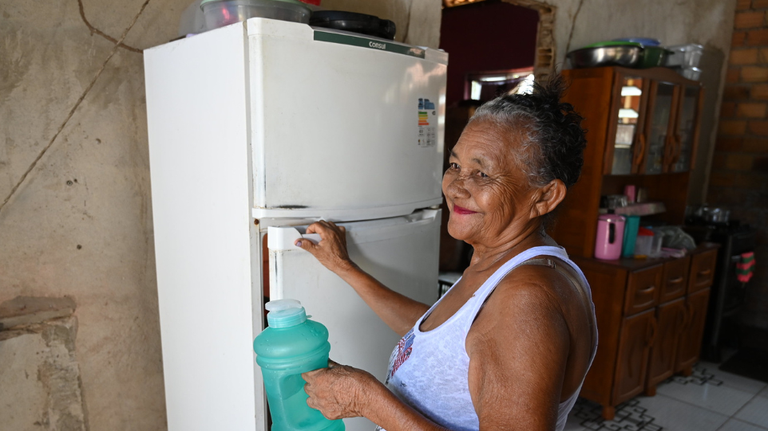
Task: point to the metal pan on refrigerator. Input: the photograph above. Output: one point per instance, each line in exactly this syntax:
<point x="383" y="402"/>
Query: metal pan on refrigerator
<point x="617" y="55"/>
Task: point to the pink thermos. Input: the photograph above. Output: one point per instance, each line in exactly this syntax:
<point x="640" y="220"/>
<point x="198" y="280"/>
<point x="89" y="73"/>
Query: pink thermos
<point x="629" y="192"/>
<point x="610" y="233"/>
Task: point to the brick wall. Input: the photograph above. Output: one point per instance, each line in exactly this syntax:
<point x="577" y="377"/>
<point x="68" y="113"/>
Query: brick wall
<point x="739" y="178"/>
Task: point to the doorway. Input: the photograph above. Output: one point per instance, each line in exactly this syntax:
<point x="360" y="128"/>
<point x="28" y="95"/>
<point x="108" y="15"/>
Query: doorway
<point x="493" y="46"/>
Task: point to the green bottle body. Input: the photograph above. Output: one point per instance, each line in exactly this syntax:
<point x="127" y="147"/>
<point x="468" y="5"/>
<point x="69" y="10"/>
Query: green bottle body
<point x="283" y="354"/>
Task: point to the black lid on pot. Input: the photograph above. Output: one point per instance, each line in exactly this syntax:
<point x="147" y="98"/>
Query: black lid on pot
<point x="354" y="22"/>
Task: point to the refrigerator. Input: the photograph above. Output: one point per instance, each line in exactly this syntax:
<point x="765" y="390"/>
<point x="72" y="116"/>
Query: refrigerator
<point x="256" y="130"/>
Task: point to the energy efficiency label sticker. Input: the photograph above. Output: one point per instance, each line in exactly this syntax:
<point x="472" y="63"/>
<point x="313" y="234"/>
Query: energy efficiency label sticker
<point x="427" y="123"/>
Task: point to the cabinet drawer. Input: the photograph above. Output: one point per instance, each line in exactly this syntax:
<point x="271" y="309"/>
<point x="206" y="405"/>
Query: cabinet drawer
<point x="702" y="270"/>
<point x="675" y="279"/>
<point x="643" y="289"/>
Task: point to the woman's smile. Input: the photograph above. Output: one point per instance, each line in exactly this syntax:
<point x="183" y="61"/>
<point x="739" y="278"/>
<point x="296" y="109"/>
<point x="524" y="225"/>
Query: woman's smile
<point x="462" y="211"/>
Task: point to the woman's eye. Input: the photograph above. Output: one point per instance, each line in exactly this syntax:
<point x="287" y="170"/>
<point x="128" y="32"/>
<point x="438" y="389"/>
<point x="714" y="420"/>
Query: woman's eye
<point x="453" y="166"/>
<point x="482" y="175"/>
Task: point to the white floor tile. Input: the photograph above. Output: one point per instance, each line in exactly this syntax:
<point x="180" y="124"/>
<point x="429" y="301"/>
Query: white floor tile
<point x="764" y="393"/>
<point x="720" y="399"/>
<point x="586" y="415"/>
<point x="737" y="425"/>
<point x="733" y="380"/>
<point x="671" y="414"/>
<point x="710" y="400"/>
<point x="755" y="412"/>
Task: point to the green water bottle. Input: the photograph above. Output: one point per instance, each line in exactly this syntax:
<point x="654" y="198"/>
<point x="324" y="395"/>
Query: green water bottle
<point x="291" y="345"/>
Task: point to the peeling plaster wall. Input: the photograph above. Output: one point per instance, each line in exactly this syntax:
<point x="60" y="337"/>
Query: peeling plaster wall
<point x="40" y="368"/>
<point x="81" y="223"/>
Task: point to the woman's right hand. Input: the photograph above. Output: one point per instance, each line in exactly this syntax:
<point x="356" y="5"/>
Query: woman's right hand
<point x="331" y="251"/>
<point x="339" y="391"/>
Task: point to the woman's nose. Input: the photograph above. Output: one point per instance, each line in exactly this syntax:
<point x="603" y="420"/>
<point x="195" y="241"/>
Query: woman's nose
<point x="455" y="187"/>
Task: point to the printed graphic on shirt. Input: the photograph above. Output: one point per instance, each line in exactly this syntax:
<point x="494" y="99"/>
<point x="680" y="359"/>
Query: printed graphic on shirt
<point x="402" y="353"/>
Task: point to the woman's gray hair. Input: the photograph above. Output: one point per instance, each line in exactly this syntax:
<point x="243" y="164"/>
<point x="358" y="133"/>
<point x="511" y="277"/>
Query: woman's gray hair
<point x="552" y="144"/>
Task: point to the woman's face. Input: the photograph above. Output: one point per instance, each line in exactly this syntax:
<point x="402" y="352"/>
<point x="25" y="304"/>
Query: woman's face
<point x="489" y="197"/>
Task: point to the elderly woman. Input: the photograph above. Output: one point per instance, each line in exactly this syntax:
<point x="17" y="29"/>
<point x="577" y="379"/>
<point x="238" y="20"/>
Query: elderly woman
<point x="508" y="346"/>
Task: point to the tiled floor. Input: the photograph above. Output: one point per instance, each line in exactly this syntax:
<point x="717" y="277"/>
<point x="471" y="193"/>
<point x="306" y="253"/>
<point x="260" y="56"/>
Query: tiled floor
<point x="709" y="400"/>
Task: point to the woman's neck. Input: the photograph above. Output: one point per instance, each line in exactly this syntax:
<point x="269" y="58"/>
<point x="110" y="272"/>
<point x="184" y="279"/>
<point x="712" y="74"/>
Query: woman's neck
<point x="490" y="257"/>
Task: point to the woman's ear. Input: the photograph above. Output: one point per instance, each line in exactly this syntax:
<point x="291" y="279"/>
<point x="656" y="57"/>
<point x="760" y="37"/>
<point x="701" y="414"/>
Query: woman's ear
<point x="547" y="198"/>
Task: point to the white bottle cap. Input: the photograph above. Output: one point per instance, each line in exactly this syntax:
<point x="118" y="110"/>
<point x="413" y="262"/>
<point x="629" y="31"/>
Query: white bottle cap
<point x="284" y="313"/>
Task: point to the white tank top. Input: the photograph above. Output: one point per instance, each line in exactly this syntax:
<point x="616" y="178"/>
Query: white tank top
<point x="429" y="370"/>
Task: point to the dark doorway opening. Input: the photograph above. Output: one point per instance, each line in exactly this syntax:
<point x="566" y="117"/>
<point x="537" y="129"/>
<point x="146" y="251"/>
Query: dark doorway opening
<point x="492" y="47"/>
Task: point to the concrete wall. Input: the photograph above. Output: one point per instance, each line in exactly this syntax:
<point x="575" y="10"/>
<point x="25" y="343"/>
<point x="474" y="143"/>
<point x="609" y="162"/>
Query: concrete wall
<point x="80" y="223"/>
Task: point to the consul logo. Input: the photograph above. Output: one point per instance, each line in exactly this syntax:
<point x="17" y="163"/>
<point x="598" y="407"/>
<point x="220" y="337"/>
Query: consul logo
<point x="377" y="45"/>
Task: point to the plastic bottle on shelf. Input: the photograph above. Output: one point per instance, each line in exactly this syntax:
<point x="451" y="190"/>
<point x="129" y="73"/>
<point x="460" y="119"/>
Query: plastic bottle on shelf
<point x="291" y="345"/>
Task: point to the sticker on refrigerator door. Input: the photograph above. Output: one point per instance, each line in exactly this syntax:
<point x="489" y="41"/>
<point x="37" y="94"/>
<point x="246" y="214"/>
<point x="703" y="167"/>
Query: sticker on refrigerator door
<point x="427" y="123"/>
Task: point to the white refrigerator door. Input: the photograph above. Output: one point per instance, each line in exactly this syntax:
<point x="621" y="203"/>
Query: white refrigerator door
<point x="343" y="126"/>
<point x="401" y="252"/>
<point x="208" y="261"/>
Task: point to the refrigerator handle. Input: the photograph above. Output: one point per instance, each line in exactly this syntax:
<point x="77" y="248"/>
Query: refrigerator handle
<point x="283" y="238"/>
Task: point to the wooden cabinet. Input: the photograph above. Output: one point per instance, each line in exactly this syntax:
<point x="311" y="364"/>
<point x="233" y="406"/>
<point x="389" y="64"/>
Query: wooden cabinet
<point x="652" y="123"/>
<point x="642" y="129"/>
<point x="686" y="134"/>
<point x="690" y="341"/>
<point x="649" y="321"/>
<point x="643" y="288"/>
<point x="656" y="154"/>
<point x="637" y="335"/>
<point x="702" y="271"/>
<point x="626" y="130"/>
<point x="675" y="279"/>
<point x="662" y="359"/>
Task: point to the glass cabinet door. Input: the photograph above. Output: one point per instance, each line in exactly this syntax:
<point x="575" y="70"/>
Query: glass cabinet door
<point x="628" y="141"/>
<point x="686" y="129"/>
<point x="662" y="101"/>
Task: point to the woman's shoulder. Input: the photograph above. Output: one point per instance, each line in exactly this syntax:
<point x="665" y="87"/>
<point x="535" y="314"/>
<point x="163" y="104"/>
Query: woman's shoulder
<point x="536" y="292"/>
<point x="525" y="308"/>
<point x="529" y="283"/>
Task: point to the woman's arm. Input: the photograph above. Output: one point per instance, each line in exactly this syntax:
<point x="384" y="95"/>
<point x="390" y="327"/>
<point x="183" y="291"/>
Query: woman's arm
<point x="518" y="349"/>
<point x="398" y="311"/>
<point x="340" y="392"/>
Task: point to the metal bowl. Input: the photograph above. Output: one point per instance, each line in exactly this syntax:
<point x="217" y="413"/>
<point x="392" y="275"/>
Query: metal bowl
<point x="619" y="55"/>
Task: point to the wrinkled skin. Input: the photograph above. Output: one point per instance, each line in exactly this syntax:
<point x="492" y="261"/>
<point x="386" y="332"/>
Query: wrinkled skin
<point x="337" y="391"/>
<point x="332" y="250"/>
<point x="529" y="345"/>
<point x="483" y="178"/>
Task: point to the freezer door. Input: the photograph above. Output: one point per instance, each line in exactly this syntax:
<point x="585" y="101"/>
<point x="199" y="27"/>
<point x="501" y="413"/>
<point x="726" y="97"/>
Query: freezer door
<point x="400" y="252"/>
<point x="339" y="130"/>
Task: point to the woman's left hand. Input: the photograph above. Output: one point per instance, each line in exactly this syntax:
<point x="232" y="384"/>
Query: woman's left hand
<point x="338" y="391"/>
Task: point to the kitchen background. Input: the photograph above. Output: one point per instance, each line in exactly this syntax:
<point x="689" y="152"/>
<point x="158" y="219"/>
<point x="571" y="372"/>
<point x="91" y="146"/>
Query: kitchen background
<point x="78" y="231"/>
